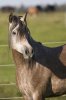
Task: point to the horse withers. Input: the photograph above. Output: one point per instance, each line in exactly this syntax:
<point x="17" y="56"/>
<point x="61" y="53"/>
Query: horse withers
<point x="40" y="70"/>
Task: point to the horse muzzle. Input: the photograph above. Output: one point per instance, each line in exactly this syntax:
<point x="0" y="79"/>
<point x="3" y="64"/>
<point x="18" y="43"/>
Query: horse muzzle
<point x="28" y="53"/>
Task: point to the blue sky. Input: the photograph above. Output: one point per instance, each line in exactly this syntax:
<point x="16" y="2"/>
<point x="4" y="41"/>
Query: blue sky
<point x="30" y="2"/>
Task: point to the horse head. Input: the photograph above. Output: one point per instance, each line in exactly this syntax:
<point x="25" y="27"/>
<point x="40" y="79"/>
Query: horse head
<point x="18" y="31"/>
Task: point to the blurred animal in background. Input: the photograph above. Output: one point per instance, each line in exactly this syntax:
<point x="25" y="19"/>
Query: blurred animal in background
<point x="33" y="10"/>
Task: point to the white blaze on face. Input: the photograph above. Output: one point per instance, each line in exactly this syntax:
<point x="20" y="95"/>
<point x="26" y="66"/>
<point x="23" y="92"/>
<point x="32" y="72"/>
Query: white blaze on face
<point x="15" y="41"/>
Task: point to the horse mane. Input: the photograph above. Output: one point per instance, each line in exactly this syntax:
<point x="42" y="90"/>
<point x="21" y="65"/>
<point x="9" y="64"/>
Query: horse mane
<point x="42" y="51"/>
<point x="48" y="56"/>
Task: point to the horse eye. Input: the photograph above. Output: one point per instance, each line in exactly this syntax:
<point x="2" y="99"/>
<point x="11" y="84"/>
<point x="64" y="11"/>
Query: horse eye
<point x="14" y="33"/>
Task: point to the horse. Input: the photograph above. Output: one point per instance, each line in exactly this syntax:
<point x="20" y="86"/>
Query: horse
<point x="40" y="70"/>
<point x="33" y="11"/>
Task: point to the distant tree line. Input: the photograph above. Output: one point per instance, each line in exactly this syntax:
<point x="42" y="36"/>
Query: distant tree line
<point x="38" y="8"/>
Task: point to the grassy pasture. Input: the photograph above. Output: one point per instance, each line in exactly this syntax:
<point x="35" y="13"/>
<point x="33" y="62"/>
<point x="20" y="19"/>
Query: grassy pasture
<point x="46" y="27"/>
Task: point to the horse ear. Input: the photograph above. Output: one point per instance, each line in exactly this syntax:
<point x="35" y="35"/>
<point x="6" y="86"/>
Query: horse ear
<point x="13" y="18"/>
<point x="10" y="17"/>
<point x="23" y="18"/>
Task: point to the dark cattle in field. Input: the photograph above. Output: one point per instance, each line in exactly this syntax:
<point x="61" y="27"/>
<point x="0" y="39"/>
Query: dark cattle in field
<point x="50" y="8"/>
<point x="7" y="9"/>
<point x="39" y="8"/>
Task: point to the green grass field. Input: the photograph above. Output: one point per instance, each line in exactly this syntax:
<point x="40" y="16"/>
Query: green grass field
<point x="46" y="27"/>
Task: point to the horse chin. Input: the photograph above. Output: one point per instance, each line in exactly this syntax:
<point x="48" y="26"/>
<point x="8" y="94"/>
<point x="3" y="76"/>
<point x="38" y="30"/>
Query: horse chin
<point x="27" y="57"/>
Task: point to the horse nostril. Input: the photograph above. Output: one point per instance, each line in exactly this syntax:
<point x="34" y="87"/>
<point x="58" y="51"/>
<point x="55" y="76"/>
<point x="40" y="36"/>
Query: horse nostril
<point x="29" y="52"/>
<point x="26" y="52"/>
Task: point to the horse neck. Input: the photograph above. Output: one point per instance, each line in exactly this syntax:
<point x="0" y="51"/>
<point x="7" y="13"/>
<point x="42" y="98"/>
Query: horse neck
<point x="20" y="61"/>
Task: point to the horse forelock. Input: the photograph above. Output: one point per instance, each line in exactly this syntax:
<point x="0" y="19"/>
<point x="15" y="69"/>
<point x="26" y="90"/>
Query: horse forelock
<point x="23" y="29"/>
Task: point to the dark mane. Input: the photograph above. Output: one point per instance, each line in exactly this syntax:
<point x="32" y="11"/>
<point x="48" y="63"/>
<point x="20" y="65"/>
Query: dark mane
<point x="41" y="50"/>
<point x="48" y="56"/>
